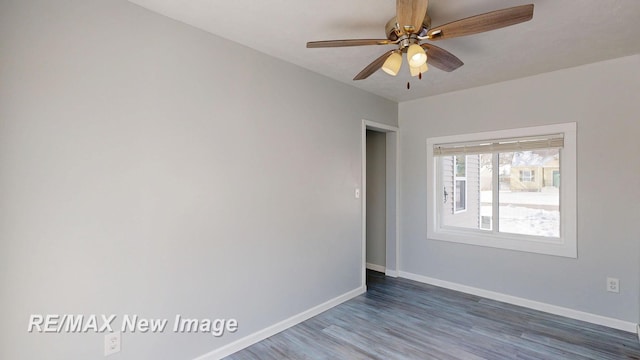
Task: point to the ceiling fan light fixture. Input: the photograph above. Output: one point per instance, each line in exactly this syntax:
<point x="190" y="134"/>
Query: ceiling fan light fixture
<point x="393" y="63"/>
<point x="412" y="25"/>
<point x="416" y="55"/>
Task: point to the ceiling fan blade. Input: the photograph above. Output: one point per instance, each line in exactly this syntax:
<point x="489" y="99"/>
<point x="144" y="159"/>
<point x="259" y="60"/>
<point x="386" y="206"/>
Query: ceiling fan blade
<point x="374" y="66"/>
<point x="441" y="58"/>
<point x="483" y="22"/>
<point x="350" y="42"/>
<point x="410" y="14"/>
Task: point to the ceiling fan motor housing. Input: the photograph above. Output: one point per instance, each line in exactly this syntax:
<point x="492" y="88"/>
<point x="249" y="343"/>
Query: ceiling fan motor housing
<point x="393" y="31"/>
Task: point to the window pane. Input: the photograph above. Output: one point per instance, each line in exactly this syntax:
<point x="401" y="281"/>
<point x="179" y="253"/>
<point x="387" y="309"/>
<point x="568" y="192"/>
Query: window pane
<point x="461" y="168"/>
<point x="466" y="180"/>
<point x="530" y="193"/>
<point x="461" y="195"/>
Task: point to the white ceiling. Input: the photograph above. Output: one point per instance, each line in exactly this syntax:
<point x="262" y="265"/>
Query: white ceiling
<point x="562" y="34"/>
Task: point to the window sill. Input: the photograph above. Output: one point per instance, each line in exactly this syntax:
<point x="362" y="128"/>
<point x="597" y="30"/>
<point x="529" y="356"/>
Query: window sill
<point x="533" y="244"/>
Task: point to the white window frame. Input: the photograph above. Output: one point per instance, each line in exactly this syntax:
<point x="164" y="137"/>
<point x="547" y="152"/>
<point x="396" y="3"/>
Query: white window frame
<point x="457" y="178"/>
<point x="565" y="245"/>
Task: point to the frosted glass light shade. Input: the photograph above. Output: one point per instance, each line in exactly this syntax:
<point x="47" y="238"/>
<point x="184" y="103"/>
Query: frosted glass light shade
<point x="392" y="65"/>
<point x="415" y="71"/>
<point x="416" y="55"/>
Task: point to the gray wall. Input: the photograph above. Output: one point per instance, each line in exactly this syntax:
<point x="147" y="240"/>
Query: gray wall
<point x="602" y="98"/>
<point x="141" y="174"/>
<point x="376" y="230"/>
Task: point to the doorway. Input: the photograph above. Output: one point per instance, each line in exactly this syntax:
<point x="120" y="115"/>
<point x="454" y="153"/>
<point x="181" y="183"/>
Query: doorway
<point x="379" y="187"/>
<point x="376" y="234"/>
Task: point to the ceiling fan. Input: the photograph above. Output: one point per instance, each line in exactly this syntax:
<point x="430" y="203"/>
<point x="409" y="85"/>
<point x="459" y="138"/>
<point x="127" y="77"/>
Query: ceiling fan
<point x="412" y="25"/>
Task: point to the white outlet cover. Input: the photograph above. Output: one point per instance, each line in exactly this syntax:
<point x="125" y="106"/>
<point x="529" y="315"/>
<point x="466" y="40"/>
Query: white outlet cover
<point x="112" y="342"/>
<point x="613" y="285"/>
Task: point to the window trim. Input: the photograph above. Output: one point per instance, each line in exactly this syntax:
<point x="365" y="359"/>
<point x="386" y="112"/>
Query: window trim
<point x="565" y="245"/>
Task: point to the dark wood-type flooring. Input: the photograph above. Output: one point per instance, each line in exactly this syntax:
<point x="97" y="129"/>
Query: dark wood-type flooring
<point x="404" y="319"/>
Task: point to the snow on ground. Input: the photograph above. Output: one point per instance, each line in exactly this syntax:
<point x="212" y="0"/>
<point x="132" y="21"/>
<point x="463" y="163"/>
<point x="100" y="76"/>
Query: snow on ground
<point x="540" y="218"/>
<point x="523" y="220"/>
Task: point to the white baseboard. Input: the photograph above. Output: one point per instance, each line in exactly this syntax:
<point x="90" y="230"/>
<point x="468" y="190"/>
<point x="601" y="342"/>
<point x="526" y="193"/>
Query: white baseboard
<point x="391" y="273"/>
<point x="251" y="339"/>
<point x="374" y="267"/>
<point x="548" y="308"/>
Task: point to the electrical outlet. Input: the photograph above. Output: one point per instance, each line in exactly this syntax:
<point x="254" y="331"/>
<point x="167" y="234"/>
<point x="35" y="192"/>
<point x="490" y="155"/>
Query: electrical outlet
<point x="112" y="343"/>
<point x="613" y="285"/>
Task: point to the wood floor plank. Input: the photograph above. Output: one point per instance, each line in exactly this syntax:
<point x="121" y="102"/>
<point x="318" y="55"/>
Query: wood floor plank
<point x="404" y="320"/>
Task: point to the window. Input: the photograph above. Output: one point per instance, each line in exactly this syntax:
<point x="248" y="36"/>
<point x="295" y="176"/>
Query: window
<point x="460" y="181"/>
<point x="527" y="175"/>
<point x="506" y="189"/>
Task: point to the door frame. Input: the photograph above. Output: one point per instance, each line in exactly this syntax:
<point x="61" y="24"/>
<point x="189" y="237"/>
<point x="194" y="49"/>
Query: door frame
<point x="392" y="265"/>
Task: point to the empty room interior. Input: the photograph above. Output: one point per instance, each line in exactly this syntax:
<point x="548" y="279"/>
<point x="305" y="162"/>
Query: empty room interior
<point x="363" y="179"/>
